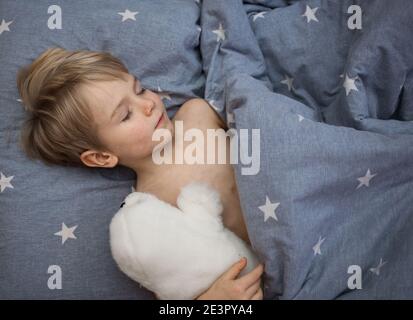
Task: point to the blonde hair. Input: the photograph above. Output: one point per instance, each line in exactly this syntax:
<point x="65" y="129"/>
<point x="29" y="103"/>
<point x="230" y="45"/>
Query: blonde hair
<point x="60" y="125"/>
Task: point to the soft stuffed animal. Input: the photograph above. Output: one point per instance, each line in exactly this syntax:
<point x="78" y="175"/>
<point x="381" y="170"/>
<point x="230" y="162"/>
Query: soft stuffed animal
<point x="176" y="253"/>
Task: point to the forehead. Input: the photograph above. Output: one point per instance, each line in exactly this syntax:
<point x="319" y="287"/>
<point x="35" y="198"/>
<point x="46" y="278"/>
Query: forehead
<point x="102" y="96"/>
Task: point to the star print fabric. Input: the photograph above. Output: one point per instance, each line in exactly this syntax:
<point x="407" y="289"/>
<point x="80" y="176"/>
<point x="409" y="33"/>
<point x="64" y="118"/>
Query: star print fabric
<point x="56" y="217"/>
<point x="335" y="113"/>
<point x="334" y="107"/>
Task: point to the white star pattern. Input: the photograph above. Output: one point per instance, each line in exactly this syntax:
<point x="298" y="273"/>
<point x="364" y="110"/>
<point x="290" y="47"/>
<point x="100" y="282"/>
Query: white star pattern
<point x="310" y="14"/>
<point x="128" y="15"/>
<point x="220" y="32"/>
<point x="374" y="266"/>
<point x="5" y="182"/>
<point x="376" y="270"/>
<point x="258" y="15"/>
<point x="349" y="84"/>
<point x="66" y="233"/>
<point x="317" y="247"/>
<point x="269" y="209"/>
<point x="163" y="95"/>
<point x="288" y="81"/>
<point x="365" y="181"/>
<point x="4" y="26"/>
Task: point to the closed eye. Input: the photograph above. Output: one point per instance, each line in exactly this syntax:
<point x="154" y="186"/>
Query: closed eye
<point x="142" y="91"/>
<point x="127" y="116"/>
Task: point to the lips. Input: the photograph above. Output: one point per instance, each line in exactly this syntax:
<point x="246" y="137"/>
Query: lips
<point x="159" y="121"/>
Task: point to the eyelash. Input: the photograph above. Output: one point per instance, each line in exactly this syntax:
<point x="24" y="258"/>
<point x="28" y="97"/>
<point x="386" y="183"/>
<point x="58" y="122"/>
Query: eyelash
<point x="129" y="112"/>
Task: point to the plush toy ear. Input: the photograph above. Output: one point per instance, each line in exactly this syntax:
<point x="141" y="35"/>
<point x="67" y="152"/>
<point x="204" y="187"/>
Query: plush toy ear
<point x="136" y="197"/>
<point x="199" y="197"/>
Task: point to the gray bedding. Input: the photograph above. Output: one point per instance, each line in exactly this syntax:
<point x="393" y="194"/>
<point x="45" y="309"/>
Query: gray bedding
<point x="329" y="211"/>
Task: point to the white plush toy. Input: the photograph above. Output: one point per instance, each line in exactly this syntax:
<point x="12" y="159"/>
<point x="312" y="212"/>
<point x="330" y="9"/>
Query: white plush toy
<point x="176" y="253"/>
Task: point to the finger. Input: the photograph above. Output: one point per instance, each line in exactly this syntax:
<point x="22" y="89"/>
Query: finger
<point x="235" y="269"/>
<point x="251" y="277"/>
<point x="258" y="296"/>
<point x="251" y="291"/>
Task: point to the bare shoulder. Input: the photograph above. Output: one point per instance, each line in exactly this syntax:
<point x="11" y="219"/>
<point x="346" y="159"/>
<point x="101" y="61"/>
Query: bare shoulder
<point x="200" y="112"/>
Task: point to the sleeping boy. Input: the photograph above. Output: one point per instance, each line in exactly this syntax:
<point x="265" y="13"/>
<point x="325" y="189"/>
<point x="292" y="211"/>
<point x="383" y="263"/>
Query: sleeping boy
<point x="86" y="109"/>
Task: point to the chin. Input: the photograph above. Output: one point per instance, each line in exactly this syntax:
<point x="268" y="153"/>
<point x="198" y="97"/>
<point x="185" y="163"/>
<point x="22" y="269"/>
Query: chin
<point x="171" y="128"/>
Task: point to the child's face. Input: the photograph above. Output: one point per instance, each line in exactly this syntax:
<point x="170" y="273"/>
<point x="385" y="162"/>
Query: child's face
<point x="126" y="115"/>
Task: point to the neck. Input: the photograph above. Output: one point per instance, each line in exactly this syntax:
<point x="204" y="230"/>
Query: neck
<point x="146" y="170"/>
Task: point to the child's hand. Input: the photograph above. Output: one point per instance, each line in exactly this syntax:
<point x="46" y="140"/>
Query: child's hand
<point x="226" y="287"/>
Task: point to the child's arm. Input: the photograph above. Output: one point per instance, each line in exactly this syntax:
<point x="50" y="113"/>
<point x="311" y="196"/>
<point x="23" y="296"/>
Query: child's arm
<point x="226" y="287"/>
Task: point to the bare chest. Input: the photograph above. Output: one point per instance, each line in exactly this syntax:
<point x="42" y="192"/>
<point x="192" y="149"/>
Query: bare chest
<point x="170" y="180"/>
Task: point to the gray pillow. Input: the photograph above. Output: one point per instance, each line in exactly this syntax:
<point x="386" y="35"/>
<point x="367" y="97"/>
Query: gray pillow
<point x="159" y="44"/>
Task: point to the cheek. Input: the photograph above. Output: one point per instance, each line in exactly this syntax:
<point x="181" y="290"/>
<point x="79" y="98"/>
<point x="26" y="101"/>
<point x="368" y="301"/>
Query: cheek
<point x="141" y="137"/>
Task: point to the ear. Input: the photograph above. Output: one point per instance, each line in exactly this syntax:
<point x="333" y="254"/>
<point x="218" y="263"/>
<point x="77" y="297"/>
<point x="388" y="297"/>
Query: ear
<point x="93" y="158"/>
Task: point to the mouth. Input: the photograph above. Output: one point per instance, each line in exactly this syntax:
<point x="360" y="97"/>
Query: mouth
<point x="160" y="121"/>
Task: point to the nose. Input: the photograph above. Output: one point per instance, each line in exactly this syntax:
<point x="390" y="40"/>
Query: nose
<point x="148" y="107"/>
